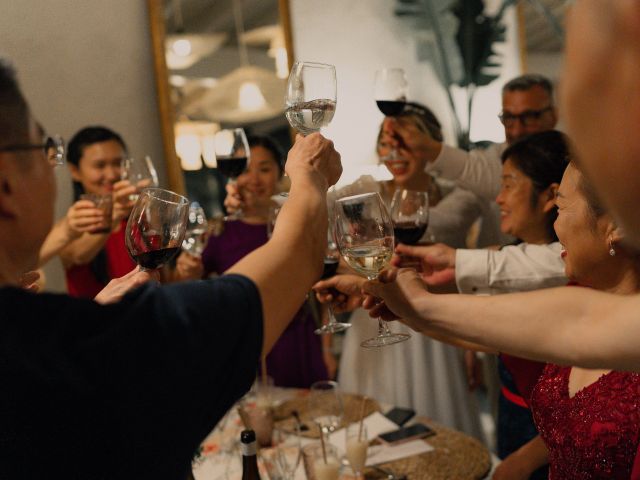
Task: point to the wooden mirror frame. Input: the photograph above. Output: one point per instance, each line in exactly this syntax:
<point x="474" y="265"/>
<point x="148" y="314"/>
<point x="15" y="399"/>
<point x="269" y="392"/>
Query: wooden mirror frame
<point x="175" y="176"/>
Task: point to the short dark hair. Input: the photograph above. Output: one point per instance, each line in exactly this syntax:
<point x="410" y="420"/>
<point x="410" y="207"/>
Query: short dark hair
<point x="14" y="110"/>
<point x="272" y="146"/>
<point x="83" y="139"/>
<point x="543" y="157"/>
<point x="527" y="82"/>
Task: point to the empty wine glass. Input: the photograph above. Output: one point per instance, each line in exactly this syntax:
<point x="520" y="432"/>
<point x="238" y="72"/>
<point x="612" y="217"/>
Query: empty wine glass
<point x="156" y="227"/>
<point x="141" y="174"/>
<point x="195" y="238"/>
<point x="410" y="215"/>
<point x="390" y="90"/>
<point x="331" y="262"/>
<point x="310" y="100"/>
<point x="364" y="234"/>
<point x="232" y="156"/>
<point x="325" y="405"/>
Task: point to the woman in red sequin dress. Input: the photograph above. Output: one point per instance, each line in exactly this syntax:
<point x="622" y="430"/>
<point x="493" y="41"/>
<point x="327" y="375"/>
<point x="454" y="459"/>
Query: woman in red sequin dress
<point x="590" y="419"/>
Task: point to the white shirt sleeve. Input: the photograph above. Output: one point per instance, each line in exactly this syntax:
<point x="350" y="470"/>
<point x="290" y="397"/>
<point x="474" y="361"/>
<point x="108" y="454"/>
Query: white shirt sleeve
<point x="514" y="268"/>
<point x="479" y="170"/>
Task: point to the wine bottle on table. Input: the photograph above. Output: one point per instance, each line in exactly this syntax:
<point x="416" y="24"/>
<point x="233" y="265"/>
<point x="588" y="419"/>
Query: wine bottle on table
<point x="249" y="455"/>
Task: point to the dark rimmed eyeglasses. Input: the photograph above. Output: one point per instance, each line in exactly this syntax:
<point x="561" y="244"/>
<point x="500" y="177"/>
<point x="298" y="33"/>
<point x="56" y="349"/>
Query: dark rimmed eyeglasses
<point x="53" y="148"/>
<point x="529" y="118"/>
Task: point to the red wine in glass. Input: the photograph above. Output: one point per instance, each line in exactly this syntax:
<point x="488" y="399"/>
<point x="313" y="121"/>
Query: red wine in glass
<point x="232" y="167"/>
<point x="409" y="233"/>
<point x="155" y="259"/>
<point x="330" y="267"/>
<point x="391" y="108"/>
<point x="156" y="227"/>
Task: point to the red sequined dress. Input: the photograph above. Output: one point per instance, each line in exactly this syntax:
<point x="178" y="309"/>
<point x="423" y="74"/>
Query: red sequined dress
<point x="593" y="435"/>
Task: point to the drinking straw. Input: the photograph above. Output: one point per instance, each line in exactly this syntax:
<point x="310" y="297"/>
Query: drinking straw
<point x="324" y="450"/>
<point x="364" y="401"/>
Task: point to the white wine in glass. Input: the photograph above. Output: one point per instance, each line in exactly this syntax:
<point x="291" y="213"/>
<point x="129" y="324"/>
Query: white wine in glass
<point x="364" y="234"/>
<point x="310" y="101"/>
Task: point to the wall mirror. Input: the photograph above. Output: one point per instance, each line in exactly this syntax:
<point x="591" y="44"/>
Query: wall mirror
<point x="218" y="64"/>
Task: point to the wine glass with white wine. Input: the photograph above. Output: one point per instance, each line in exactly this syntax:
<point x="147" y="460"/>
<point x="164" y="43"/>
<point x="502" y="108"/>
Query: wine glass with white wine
<point x="364" y="234"/>
<point x="310" y="101"/>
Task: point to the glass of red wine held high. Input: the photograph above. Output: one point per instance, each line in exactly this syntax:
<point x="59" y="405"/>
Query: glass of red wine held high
<point x="156" y="227"/>
<point x="232" y="157"/>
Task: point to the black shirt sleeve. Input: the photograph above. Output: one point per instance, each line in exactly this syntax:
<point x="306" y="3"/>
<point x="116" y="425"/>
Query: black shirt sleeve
<point x="140" y="382"/>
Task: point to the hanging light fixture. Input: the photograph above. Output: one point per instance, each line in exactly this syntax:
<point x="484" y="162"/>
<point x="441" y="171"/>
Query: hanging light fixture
<point x="183" y="50"/>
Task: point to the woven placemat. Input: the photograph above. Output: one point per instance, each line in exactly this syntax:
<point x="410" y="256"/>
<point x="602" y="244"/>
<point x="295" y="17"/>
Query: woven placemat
<point x="455" y="456"/>
<point x="352" y="407"/>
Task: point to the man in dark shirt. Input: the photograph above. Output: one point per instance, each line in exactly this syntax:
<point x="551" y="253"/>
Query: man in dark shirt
<point x="128" y="390"/>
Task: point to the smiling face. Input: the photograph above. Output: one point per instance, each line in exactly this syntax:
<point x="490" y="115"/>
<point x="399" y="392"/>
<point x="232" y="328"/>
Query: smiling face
<point x="584" y="238"/>
<point x="262" y="176"/>
<point x="403" y="165"/>
<point x="522" y="211"/>
<point x="99" y="167"/>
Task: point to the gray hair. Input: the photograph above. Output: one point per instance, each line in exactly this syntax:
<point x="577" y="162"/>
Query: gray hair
<point x="527" y="82"/>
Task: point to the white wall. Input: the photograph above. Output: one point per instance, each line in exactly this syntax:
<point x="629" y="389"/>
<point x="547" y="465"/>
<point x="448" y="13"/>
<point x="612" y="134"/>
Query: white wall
<point x="361" y="36"/>
<point x="80" y="63"/>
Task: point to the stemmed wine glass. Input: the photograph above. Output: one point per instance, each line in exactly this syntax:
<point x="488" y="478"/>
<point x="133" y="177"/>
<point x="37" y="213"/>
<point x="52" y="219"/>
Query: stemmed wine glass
<point x="141" y="174"/>
<point x="156" y="227"/>
<point x="364" y="234"/>
<point x="232" y="156"/>
<point x="195" y="240"/>
<point x="325" y="405"/>
<point x="410" y="215"/>
<point x="331" y="262"/>
<point x="390" y="90"/>
<point x="310" y="100"/>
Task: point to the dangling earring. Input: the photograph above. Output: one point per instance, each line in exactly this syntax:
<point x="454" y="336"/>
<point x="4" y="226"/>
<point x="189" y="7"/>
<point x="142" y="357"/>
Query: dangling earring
<point x="612" y="251"/>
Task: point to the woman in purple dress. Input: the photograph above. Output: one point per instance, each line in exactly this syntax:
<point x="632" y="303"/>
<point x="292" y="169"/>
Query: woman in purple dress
<point x="297" y="359"/>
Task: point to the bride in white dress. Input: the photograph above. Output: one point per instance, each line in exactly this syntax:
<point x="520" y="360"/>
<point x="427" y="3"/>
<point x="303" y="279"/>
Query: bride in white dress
<point x="422" y="374"/>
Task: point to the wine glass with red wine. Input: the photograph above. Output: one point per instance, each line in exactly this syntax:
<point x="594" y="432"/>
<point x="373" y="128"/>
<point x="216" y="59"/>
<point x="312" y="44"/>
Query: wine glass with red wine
<point x="310" y="101"/>
<point x="232" y="156"/>
<point x="331" y="262"/>
<point x="410" y="215"/>
<point x="156" y="227"/>
<point x="390" y="91"/>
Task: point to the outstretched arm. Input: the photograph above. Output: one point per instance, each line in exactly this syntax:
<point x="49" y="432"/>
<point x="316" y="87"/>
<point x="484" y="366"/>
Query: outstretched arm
<point x="568" y="325"/>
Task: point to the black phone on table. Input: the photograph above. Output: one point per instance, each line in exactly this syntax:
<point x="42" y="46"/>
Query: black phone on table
<point x="400" y="416"/>
<point x="405" y="434"/>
